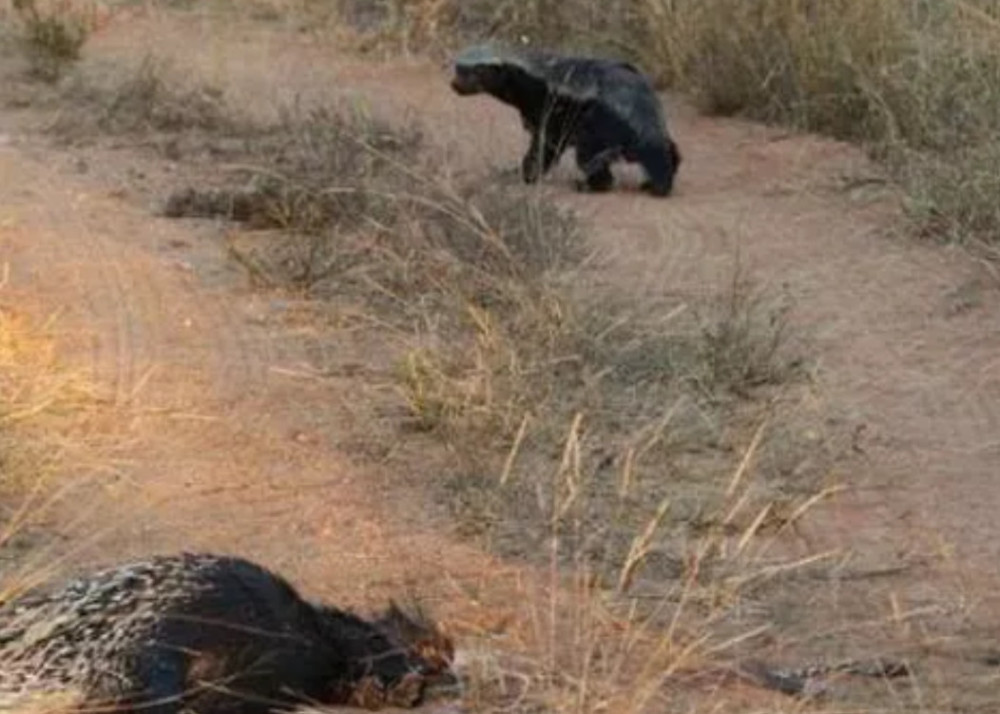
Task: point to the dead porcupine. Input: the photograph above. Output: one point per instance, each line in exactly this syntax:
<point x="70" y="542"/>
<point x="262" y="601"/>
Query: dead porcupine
<point x="210" y="634"/>
<point x="606" y="109"/>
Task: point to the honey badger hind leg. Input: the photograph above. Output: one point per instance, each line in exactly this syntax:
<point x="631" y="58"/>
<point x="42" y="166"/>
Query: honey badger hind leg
<point x="599" y="180"/>
<point x="602" y="139"/>
<point x="594" y="159"/>
<point x="660" y="163"/>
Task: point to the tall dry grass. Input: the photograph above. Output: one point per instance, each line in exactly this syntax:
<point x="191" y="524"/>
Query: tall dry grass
<point x="36" y="392"/>
<point x="43" y="409"/>
<point x="915" y="81"/>
<point x="581" y="640"/>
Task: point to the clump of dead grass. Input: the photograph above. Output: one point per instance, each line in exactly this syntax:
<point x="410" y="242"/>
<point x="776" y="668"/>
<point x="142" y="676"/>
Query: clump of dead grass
<point x="923" y="73"/>
<point x="150" y="98"/>
<point x="951" y="194"/>
<point x="591" y="639"/>
<point x="654" y="416"/>
<point x="41" y="403"/>
<point x="53" y="33"/>
<point x="35" y="391"/>
<point x="314" y="170"/>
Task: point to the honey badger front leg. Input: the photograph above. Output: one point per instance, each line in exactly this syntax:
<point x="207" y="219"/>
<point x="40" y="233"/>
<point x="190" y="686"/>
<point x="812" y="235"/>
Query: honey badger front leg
<point x="542" y="153"/>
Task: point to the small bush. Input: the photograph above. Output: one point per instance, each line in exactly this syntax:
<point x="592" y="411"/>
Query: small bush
<point x="53" y="34"/>
<point x="952" y="195"/>
<point x="320" y="169"/>
<point x="150" y="98"/>
<point x="312" y="171"/>
<point x="742" y="341"/>
<point x="656" y="391"/>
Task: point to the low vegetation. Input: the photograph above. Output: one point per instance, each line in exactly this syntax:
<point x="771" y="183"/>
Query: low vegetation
<point x="148" y="99"/>
<point x="439" y="27"/>
<point x="40" y="403"/>
<point x="53" y="33"/>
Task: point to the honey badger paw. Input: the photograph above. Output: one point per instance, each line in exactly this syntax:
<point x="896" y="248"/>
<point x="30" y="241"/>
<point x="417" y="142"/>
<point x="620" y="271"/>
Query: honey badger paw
<point x="372" y="694"/>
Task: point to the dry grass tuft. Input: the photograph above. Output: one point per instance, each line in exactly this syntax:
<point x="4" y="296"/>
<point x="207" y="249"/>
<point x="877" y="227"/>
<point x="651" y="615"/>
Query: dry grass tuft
<point x="951" y="194"/>
<point x="589" y="640"/>
<point x="922" y="73"/>
<point x="151" y="98"/>
<point x="52" y="33"/>
<point x="36" y="391"/>
<point x="42" y="406"/>
<point x="313" y="170"/>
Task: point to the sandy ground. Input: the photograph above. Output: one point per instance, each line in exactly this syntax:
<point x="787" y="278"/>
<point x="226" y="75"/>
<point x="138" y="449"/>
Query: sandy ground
<point x="230" y="440"/>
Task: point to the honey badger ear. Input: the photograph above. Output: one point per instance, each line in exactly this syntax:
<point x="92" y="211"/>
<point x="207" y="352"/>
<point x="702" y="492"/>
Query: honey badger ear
<point x="397" y="625"/>
<point x="396" y="620"/>
<point x="411" y="627"/>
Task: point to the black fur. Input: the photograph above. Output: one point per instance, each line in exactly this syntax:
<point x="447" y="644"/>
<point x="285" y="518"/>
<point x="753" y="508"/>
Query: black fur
<point x="607" y="110"/>
<point x="205" y="633"/>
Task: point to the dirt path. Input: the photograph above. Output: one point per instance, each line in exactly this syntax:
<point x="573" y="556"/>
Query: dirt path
<point x="231" y="440"/>
<point x="228" y="437"/>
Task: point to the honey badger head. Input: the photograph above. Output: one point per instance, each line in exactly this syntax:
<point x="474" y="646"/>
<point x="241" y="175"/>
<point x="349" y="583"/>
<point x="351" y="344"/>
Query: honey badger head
<point x="407" y="660"/>
<point x="478" y="69"/>
<point x="430" y="651"/>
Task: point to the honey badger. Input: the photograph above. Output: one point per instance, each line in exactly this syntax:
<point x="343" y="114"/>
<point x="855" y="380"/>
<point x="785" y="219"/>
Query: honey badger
<point x="606" y="109"/>
<point x="209" y="634"/>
